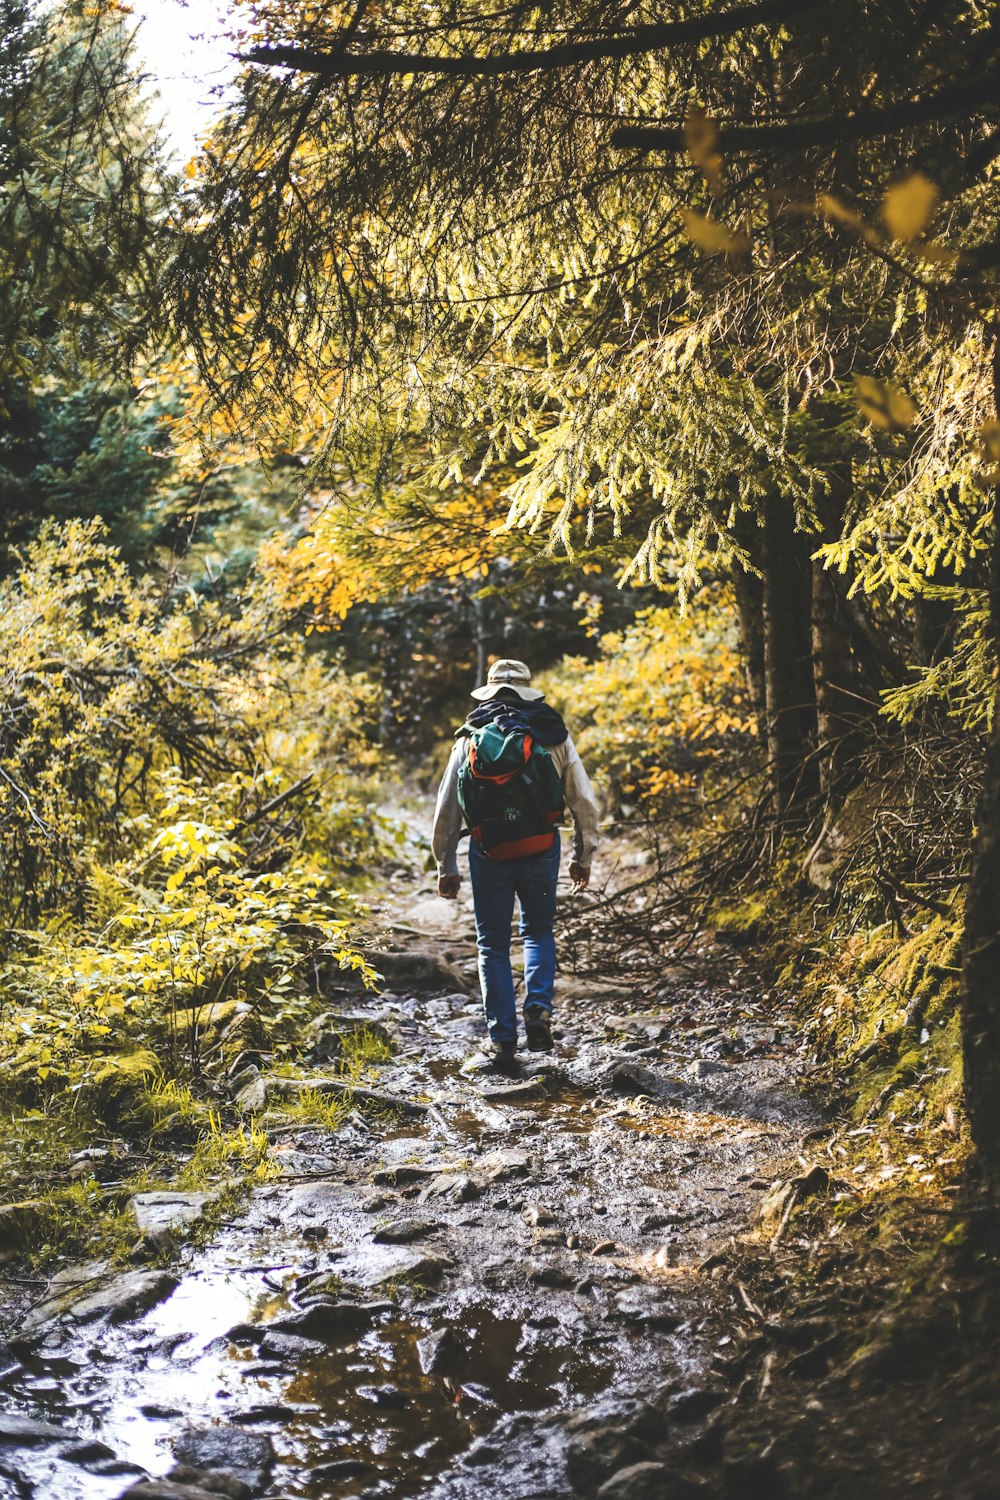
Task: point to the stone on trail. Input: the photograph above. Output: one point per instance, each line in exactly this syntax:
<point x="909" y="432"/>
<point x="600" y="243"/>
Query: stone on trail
<point x="168" y="1489"/>
<point x="406" y="1173"/>
<point x="419" y="971"/>
<point x="330" y="1320"/>
<point x="420" y="1269"/>
<point x="607" y="1436"/>
<point x="251" y="1099"/>
<point x="433" y="1347"/>
<point x="162" y="1217"/>
<point x="213" y="1480"/>
<point x="289" y="1348"/>
<point x="515" y="1092"/>
<point x="501" y="1166"/>
<point x="246" y="1456"/>
<point x="647" y="1481"/>
<point x="26" y="1432"/>
<point x="405" y="1231"/>
<point x="537" y="1215"/>
<point x="89" y="1292"/>
<point x="458" y="1187"/>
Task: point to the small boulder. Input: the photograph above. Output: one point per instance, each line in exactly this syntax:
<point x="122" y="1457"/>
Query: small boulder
<point x="163" y="1217"/>
<point x="26" y="1432"/>
<point x="405" y="1231"/>
<point x="647" y="1481"/>
<point x="246" y="1456"/>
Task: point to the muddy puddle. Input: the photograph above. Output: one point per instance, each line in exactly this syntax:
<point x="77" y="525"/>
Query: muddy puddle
<point x="410" y="1288"/>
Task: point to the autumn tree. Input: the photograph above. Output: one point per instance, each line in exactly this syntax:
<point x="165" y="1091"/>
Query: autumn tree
<point x="723" y="278"/>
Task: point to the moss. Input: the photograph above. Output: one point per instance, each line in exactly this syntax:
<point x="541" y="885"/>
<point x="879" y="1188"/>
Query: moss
<point x="745" y="922"/>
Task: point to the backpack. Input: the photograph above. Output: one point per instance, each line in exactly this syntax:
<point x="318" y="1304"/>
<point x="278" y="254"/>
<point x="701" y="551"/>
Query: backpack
<point x="509" y="792"/>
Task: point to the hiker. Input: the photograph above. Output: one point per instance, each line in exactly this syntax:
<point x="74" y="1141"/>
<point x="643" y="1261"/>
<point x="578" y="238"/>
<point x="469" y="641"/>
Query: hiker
<point x="511" y="772"/>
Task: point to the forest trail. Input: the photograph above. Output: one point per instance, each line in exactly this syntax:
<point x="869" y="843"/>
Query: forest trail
<point x="506" y="1290"/>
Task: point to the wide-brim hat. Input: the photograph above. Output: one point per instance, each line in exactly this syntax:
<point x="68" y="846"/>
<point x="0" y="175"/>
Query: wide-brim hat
<point x="508" y="674"/>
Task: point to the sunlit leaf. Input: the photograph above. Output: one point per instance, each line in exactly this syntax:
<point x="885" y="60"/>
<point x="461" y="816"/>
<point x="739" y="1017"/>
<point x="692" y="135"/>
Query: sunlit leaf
<point x="908" y="206"/>
<point x="714" y="236"/>
<point x="885" y="406"/>
<point x="832" y="207"/>
<point x="701" y="137"/>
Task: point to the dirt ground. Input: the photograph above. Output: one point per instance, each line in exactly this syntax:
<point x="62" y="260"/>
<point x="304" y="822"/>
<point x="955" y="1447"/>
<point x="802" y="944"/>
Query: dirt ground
<point x="599" y="1277"/>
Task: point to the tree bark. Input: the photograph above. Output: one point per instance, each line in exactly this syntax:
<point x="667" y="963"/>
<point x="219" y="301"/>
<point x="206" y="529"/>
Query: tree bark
<point x="835" y="676"/>
<point x="748" y="590"/>
<point x="788" y="681"/>
<point x="981" y="939"/>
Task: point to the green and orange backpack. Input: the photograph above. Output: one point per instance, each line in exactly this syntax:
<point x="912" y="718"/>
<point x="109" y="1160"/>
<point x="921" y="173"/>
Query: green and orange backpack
<point x="509" y="791"/>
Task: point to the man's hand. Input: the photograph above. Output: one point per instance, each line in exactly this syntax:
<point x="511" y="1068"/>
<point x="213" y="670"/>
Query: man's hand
<point x="580" y="876"/>
<point x="448" y="886"/>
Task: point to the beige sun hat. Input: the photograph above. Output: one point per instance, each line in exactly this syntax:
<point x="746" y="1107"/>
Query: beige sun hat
<point x="508" y="674"/>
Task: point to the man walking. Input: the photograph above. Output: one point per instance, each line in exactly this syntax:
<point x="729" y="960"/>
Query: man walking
<point x="512" y="768"/>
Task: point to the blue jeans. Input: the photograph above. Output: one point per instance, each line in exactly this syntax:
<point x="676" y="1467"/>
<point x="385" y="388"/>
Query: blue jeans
<point x="495" y="883"/>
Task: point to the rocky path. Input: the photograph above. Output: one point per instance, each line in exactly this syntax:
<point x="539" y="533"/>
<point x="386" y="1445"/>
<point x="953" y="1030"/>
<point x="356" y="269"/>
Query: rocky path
<point x="505" y="1290"/>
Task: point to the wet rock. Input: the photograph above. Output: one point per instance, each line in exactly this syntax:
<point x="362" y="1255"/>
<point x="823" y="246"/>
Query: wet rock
<point x="647" y="1481"/>
<point x="705" y="1068"/>
<point x="418" y="1269"/>
<point x="660" y="1221"/>
<point x="17" y="1220"/>
<point x="405" y="1173"/>
<point x="476" y="1395"/>
<point x="459" y="1188"/>
<point x="162" y="1218"/>
<point x="87" y="1293"/>
<point x="514" y="1092"/>
<point x="289" y="1348"/>
<point x="606" y="1437"/>
<point x="433" y="1348"/>
<point x="240" y="1333"/>
<point x="266" y="1411"/>
<point x="155" y="1411"/>
<point x="425" y="971"/>
<point x="481" y="1453"/>
<point x="247" y="1456"/>
<point x="331" y="1320"/>
<point x="384" y="1395"/>
<point x="641" y="1309"/>
<point x="502" y="1166"/>
<point x="25" y="1431"/>
<point x="87" y="1453"/>
<point x="214" y="1481"/>
<point x="405" y="1231"/>
<point x="340" y="1468"/>
<point x="551" y="1273"/>
<point x="167" y="1489"/>
<point x="693" y="1404"/>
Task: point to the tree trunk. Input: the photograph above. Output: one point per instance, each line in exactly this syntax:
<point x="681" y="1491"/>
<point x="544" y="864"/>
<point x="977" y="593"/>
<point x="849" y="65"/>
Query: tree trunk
<point x="835" y="676"/>
<point x="788" y="681"/>
<point x="749" y="593"/>
<point x="981" y="939"/>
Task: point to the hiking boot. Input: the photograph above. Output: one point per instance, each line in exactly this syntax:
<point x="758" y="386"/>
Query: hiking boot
<point x="503" y="1058"/>
<point x="538" y="1029"/>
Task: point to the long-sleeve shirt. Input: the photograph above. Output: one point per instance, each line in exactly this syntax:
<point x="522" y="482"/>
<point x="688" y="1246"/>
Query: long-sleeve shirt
<point x="577" y="790"/>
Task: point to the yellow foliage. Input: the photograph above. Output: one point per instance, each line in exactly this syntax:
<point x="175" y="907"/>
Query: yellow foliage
<point x="663" y="704"/>
<point x="714" y="236"/>
<point x="908" y="206"/>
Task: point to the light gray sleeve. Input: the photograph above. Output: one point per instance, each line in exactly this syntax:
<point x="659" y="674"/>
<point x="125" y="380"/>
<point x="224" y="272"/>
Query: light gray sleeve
<point x="580" y="800"/>
<point x="448" y="815"/>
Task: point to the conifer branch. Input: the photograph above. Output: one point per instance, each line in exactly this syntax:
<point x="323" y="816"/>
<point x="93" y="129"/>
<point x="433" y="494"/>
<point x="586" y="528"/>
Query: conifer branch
<point x="648" y="38"/>
<point x="963" y="98"/>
